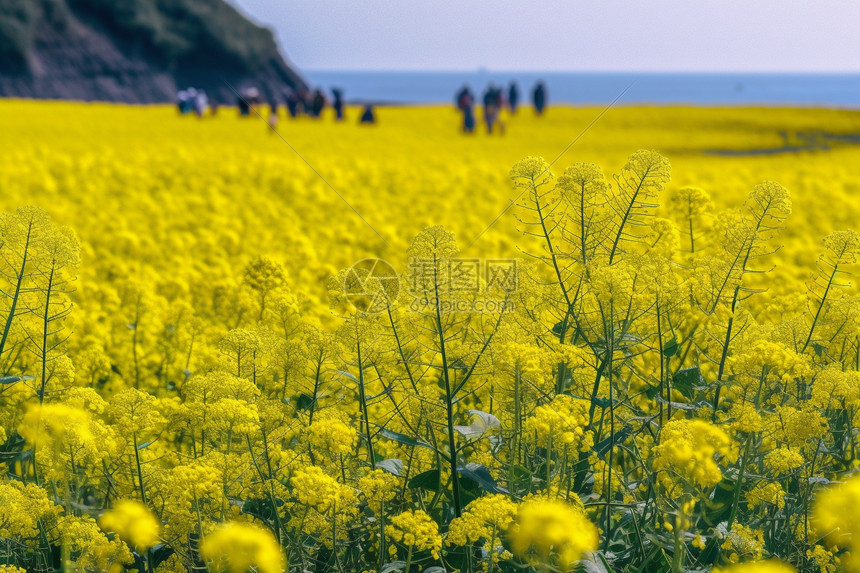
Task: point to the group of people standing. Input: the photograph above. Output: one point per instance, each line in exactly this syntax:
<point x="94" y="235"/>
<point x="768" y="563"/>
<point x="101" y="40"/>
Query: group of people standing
<point x="192" y="100"/>
<point x="495" y="101"/>
<point x="249" y="101"/>
<point x="309" y="103"/>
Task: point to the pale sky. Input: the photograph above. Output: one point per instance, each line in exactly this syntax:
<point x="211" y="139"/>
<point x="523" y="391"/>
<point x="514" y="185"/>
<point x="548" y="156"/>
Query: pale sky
<point x="565" y="35"/>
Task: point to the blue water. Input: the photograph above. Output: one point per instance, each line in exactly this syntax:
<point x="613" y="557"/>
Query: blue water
<point x="836" y="90"/>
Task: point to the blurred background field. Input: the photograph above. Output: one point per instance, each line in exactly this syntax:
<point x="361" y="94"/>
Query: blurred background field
<point x="145" y="186"/>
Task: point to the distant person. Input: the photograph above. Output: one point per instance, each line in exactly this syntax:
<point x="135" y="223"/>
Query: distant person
<point x="367" y="116"/>
<point x="465" y="100"/>
<point x="183" y="102"/>
<point x="491" y="109"/>
<point x="338" y="104"/>
<point x="317" y="103"/>
<point x="273" y="115"/>
<point x="539" y="97"/>
<point x="200" y="103"/>
<point x="244" y="106"/>
<point x="248" y="97"/>
<point x="292" y="101"/>
<point x="499" y="102"/>
<point x="513" y="96"/>
<point x="304" y="102"/>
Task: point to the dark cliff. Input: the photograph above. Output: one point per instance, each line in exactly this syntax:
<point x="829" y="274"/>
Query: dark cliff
<point x="135" y="51"/>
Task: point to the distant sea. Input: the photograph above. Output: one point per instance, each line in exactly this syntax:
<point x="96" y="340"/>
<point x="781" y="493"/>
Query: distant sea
<point x="836" y="90"/>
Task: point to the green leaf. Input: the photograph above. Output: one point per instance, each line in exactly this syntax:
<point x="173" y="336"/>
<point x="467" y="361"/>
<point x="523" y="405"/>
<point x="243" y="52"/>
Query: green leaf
<point x="652" y="392"/>
<point x="260" y="508"/>
<point x="393" y="566"/>
<point x="481" y="475"/>
<point x="13" y="450"/>
<point x="670" y="349"/>
<point x="685" y="381"/>
<point x="601" y="447"/>
<point x="13" y="379"/>
<point x="303" y="401"/>
<point x="428" y="480"/>
<point x="392" y="466"/>
<point x="158" y="554"/>
<point x="404" y="439"/>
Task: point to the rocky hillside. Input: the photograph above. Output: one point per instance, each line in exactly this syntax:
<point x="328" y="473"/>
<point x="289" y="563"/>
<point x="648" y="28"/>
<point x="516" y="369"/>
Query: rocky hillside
<point x="135" y="51"/>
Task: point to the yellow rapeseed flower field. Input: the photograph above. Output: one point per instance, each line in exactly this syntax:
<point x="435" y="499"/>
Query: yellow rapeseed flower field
<point x="630" y="341"/>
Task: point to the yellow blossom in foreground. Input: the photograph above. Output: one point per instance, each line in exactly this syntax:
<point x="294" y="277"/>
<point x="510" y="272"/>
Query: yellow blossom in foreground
<point x="240" y="547"/>
<point x="546" y="530"/>
<point x="50" y="424"/>
<point x="133" y="523"/>
<point x="836" y="519"/>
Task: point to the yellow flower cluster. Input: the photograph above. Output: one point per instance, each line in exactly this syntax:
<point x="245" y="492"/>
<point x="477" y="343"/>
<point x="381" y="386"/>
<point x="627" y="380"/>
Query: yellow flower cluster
<point x="551" y="531"/>
<point x="313" y="487"/>
<point x="378" y="487"/>
<point x="771" y="493"/>
<point x="783" y="460"/>
<point x="836" y="519"/>
<point x="240" y="547"/>
<point x="743" y="544"/>
<point x="22" y="506"/>
<point x="687" y="451"/>
<point x="88" y="548"/>
<point x="415" y="530"/>
<point x="560" y="424"/>
<point x="487" y="518"/>
<point x="133" y="522"/>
